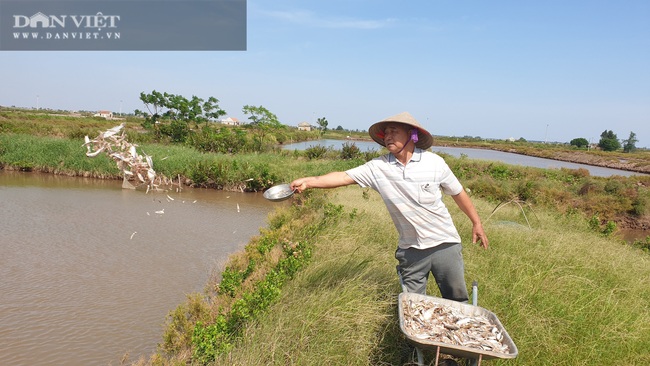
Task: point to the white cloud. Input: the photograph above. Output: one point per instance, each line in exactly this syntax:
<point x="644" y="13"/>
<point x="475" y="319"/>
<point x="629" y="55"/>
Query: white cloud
<point x="309" y="18"/>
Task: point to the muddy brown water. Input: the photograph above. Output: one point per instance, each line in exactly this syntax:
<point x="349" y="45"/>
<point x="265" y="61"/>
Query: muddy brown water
<point x="89" y="270"/>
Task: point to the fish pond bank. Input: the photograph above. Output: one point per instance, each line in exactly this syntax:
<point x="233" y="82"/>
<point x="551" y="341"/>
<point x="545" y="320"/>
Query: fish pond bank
<point x="319" y="287"/>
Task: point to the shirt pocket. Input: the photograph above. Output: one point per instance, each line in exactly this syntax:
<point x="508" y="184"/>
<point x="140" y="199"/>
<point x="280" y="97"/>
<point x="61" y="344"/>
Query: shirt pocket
<point x="428" y="193"/>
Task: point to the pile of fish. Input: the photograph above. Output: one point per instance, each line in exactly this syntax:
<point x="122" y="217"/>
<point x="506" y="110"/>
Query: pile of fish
<point x="428" y="320"/>
<point x="135" y="167"/>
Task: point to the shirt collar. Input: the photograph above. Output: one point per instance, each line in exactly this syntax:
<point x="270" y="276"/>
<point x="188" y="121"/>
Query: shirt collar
<point x="417" y="156"/>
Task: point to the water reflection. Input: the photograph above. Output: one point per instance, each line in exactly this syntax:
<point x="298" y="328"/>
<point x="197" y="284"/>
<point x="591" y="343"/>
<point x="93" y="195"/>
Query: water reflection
<point x="89" y="270"/>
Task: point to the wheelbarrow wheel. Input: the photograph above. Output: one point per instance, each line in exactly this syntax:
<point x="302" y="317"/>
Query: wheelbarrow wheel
<point x="418" y="358"/>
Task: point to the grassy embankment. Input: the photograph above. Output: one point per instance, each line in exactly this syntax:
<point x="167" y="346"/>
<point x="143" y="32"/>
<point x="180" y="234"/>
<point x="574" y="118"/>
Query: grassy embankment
<point x="566" y="295"/>
<point x="318" y="286"/>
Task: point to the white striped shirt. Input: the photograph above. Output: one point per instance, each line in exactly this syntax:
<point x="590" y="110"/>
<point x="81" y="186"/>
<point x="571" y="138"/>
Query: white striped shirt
<point x="413" y="196"/>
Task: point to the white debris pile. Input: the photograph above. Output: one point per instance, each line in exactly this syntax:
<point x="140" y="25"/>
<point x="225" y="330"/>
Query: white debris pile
<point x="134" y="167"/>
<point x="439" y="323"/>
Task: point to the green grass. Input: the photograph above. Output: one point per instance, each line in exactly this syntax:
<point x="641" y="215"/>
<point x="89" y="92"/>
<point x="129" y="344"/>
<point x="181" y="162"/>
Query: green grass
<point x="54" y="123"/>
<point x="569" y="296"/>
<point x="48" y="154"/>
<point x="242" y="171"/>
<point x="565" y="295"/>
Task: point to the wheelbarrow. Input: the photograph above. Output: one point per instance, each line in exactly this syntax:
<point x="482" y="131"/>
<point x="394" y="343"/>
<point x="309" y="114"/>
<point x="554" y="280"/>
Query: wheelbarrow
<point x="475" y="355"/>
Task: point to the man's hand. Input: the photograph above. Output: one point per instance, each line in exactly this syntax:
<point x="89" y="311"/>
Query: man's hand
<point x="299" y="185"/>
<point x="479" y="235"/>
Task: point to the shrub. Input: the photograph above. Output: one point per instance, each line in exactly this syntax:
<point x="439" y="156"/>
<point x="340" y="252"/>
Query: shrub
<point x="350" y="151"/>
<point x="499" y="171"/>
<point x="220" y="140"/>
<point x="609" y="228"/>
<point x="639" y="205"/>
<point x="211" y="340"/>
<point x="579" y="142"/>
<point x="369" y="155"/>
<point x="642" y="244"/>
<point x="613" y="186"/>
<point x="79" y="133"/>
<point x="594" y="223"/>
<point x="490" y="189"/>
<point x="588" y="187"/>
<point x="176" y="130"/>
<point x="231" y="278"/>
<point x="316" y="152"/>
<point x="199" y="173"/>
<point x="527" y="190"/>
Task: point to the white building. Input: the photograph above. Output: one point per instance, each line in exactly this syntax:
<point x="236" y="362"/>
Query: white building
<point x="304" y="126"/>
<point x="104" y="114"/>
<point x="230" y="121"/>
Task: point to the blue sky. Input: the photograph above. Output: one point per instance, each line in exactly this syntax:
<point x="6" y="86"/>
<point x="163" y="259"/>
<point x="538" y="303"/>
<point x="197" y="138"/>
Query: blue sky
<point x="541" y="70"/>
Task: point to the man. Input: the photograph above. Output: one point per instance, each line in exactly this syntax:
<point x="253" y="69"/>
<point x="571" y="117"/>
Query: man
<point x="410" y="180"/>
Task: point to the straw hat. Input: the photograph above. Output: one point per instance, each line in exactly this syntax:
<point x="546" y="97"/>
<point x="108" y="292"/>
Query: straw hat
<point x="376" y="131"/>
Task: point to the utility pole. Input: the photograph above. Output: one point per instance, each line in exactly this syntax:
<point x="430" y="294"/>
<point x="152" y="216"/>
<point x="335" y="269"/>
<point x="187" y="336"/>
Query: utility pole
<point x="546" y="135"/>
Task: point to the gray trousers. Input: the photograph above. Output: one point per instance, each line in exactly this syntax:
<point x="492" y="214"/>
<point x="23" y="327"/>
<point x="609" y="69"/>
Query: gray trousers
<point x="444" y="262"/>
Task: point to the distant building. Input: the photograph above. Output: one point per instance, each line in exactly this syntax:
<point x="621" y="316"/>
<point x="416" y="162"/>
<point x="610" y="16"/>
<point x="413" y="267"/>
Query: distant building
<point x="304" y="126"/>
<point x="104" y="114"/>
<point x="230" y="121"/>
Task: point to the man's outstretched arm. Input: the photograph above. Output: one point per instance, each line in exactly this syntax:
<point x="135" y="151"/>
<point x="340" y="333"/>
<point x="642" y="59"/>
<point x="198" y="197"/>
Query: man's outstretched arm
<point x="329" y="180"/>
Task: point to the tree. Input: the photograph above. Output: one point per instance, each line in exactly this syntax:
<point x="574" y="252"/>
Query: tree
<point x="629" y="145"/>
<point x="155" y="102"/>
<point x="170" y="114"/>
<point x="261" y="116"/>
<point x="579" y="142"/>
<point x="609" y="141"/>
<point x="262" y="120"/>
<point x="322" y="122"/>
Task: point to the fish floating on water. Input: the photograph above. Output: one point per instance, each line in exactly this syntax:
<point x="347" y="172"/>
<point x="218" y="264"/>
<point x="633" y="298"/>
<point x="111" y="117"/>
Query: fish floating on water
<point x="428" y="320"/>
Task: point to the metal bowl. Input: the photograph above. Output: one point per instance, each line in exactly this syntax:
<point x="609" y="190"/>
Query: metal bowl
<point x="280" y="192"/>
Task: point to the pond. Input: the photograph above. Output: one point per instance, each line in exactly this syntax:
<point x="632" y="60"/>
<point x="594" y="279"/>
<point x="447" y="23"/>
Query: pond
<point x="90" y="270"/>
